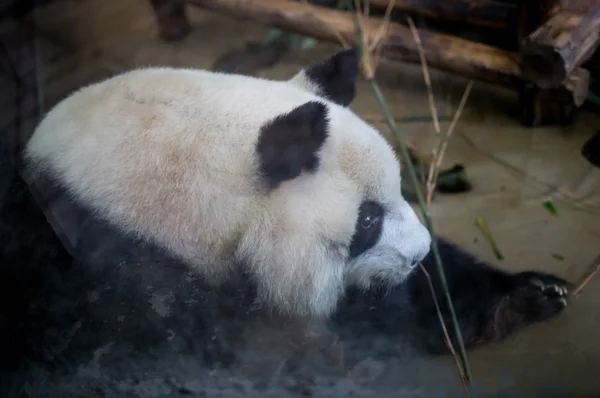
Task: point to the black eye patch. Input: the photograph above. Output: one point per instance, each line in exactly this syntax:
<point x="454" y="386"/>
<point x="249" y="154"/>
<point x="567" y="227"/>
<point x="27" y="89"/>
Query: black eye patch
<point x="368" y="228"/>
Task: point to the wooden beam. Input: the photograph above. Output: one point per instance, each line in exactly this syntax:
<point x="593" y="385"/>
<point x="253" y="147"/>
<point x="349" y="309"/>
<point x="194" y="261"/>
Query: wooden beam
<point x="485" y="13"/>
<point x="444" y="52"/>
<point x="171" y="19"/>
<point x="553" y="106"/>
<point x="559" y="46"/>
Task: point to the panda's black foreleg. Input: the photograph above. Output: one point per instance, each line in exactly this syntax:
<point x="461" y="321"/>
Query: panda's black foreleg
<point x="490" y="304"/>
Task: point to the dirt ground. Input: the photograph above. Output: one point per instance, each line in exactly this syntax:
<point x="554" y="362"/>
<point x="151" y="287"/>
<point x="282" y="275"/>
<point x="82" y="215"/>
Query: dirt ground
<point x="513" y="170"/>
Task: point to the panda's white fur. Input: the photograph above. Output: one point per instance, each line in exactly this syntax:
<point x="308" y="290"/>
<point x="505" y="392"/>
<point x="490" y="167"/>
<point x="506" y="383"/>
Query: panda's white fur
<point x="171" y="155"/>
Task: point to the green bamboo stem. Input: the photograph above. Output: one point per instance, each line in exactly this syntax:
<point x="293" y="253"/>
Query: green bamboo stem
<point x="428" y="223"/>
<point x="370" y="76"/>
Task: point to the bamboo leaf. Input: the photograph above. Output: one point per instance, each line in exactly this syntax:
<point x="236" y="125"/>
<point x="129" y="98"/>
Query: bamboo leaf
<point x="550" y="206"/>
<point x="490" y="239"/>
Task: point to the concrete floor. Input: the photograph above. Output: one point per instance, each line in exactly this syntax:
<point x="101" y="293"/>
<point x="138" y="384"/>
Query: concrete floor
<point x="513" y="170"/>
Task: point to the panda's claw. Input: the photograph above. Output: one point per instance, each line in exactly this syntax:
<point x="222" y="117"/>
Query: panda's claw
<point x="549" y="284"/>
<point x="560" y="290"/>
<point x="563" y="301"/>
<point x="553" y="289"/>
<point x="536" y="296"/>
<point x="538" y="283"/>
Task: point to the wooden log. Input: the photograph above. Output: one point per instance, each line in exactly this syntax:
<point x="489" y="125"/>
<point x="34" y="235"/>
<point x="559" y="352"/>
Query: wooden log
<point x="559" y="46"/>
<point x="445" y="52"/>
<point x="578" y="84"/>
<point x="171" y="19"/>
<point x="486" y="13"/>
<point x="553" y="106"/>
<point x="591" y="149"/>
<point x="579" y="6"/>
<point x="536" y="105"/>
<point x="548" y="106"/>
<point x="532" y="14"/>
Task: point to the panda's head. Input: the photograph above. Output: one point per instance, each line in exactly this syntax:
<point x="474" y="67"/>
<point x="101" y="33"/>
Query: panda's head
<point x="333" y="214"/>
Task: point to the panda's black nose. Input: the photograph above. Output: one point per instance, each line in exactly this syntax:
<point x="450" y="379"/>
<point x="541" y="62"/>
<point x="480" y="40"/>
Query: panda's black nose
<point x="415" y="262"/>
<point x="418" y="257"/>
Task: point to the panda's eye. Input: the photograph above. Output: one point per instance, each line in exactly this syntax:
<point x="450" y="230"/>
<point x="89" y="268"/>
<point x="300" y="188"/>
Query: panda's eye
<point x="368" y="221"/>
<point x="368" y="227"/>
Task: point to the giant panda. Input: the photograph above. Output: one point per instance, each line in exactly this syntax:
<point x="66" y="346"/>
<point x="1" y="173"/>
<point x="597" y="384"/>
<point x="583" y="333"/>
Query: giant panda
<point x="257" y="221"/>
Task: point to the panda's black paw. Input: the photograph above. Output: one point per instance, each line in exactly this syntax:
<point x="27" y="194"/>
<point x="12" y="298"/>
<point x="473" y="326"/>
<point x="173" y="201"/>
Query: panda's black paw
<point x="535" y="296"/>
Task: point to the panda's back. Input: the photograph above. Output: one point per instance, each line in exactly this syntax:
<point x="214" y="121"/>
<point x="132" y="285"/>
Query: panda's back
<point x="174" y="108"/>
<point x="153" y="148"/>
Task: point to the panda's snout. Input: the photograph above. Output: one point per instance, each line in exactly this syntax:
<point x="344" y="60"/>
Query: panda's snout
<point x="414" y="262"/>
<point x="423" y="247"/>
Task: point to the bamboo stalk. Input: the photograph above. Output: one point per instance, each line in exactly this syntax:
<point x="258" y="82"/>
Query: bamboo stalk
<point x="369" y="71"/>
<point x="428" y="224"/>
<point x="444" y="329"/>
<point x="443" y="144"/>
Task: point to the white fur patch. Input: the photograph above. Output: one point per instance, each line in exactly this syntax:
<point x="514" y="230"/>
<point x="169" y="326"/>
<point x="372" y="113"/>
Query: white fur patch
<point x="169" y="154"/>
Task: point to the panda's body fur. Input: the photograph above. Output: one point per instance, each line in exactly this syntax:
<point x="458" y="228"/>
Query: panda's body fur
<point x="259" y="189"/>
<point x="165" y="154"/>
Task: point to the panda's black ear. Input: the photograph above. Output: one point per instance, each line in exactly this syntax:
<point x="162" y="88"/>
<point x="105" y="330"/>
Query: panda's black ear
<point x="335" y="78"/>
<point x="289" y="143"/>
